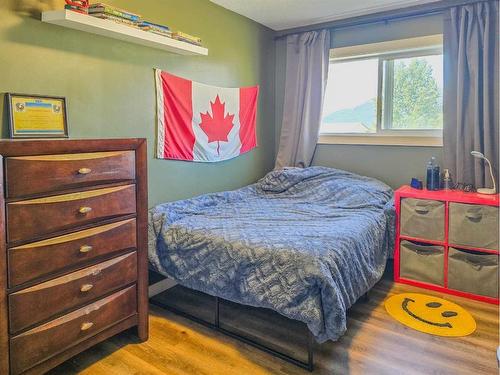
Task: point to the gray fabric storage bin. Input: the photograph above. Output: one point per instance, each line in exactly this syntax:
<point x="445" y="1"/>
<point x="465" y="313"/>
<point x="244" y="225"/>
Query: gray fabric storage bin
<point x="422" y="218"/>
<point x="473" y="272"/>
<point x="421" y="262"/>
<point x="473" y="225"/>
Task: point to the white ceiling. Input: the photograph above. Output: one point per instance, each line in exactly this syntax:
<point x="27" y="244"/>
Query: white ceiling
<point x="286" y="14"/>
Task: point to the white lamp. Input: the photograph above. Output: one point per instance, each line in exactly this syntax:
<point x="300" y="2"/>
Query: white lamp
<point x="480" y="155"/>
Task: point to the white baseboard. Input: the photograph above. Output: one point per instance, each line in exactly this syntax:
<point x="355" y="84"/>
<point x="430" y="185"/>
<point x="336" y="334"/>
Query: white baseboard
<point x="161" y="286"/>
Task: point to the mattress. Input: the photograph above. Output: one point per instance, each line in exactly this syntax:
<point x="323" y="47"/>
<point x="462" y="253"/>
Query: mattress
<point x="306" y="243"/>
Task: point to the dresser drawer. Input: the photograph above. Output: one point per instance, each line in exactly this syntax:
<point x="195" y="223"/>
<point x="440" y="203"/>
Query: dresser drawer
<point x="38" y="303"/>
<point x="33" y="218"/>
<point x="422" y="219"/>
<point x="48" y="173"/>
<point x="38" y="259"/>
<point x="474" y="225"/>
<point x="47" y="340"/>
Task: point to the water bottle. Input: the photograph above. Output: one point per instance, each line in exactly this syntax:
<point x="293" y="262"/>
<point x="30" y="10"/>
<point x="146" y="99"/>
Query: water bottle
<point x="433" y="175"/>
<point x="430" y="167"/>
<point x="436" y="177"/>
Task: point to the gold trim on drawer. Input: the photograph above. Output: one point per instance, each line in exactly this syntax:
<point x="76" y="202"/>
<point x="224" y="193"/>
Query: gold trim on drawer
<point x="71" y="197"/>
<point x="92" y="270"/>
<point x="73" y="236"/>
<point x="65" y="157"/>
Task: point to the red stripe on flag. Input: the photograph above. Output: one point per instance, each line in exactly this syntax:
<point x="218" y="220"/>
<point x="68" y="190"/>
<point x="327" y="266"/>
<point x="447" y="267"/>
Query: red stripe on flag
<point x="248" y="114"/>
<point x="178" y="115"/>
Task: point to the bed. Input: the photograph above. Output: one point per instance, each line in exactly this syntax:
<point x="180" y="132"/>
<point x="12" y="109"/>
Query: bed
<point x="306" y="243"/>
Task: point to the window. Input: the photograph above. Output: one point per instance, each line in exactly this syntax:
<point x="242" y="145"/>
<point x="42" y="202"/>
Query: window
<point x="392" y="89"/>
<point x="350" y="104"/>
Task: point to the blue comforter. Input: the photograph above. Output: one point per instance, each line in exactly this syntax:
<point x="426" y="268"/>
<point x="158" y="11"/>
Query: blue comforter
<point x="306" y="243"/>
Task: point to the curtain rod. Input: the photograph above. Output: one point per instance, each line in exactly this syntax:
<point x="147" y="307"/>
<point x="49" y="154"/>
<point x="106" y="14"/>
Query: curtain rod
<point x="380" y="17"/>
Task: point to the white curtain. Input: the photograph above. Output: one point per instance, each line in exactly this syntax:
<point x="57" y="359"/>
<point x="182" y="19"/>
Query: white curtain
<point x="307" y="57"/>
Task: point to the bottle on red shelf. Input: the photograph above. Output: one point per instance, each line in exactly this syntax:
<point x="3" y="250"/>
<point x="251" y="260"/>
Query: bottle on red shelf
<point x="433" y="181"/>
<point x="447" y="182"/>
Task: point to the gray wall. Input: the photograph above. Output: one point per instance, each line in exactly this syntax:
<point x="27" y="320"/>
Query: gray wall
<point x="394" y="165"/>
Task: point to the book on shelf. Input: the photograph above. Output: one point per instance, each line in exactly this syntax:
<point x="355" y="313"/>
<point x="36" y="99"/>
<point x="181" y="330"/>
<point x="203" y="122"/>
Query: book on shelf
<point x="116" y="19"/>
<point x="154" y="26"/>
<point x="75" y="8"/>
<point x="179" y="35"/>
<point x="114" y="11"/>
<point x="78" y="3"/>
<point x="106" y="6"/>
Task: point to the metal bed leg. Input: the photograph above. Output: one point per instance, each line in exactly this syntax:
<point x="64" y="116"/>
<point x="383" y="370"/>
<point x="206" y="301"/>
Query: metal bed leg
<point x="310" y="351"/>
<point x="366" y="297"/>
<point x="217" y="312"/>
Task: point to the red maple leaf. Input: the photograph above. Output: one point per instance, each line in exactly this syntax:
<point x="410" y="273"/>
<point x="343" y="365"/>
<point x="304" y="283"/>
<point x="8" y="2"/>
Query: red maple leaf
<point x="217" y="126"/>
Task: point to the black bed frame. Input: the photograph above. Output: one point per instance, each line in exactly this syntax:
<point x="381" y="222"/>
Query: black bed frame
<point x="309" y="365"/>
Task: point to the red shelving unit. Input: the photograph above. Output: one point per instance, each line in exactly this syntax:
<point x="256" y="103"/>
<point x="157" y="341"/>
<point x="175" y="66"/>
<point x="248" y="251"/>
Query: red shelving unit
<point x="446" y="196"/>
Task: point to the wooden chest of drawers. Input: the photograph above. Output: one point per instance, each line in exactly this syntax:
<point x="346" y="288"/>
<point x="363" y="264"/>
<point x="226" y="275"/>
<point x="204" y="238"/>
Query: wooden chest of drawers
<point x="73" y="248"/>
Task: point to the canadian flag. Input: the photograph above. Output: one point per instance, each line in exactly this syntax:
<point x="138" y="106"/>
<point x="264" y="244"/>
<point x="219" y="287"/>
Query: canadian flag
<point x="204" y="123"/>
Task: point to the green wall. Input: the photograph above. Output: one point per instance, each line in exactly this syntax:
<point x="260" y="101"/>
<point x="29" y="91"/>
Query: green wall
<point x="395" y="165"/>
<point x="109" y="84"/>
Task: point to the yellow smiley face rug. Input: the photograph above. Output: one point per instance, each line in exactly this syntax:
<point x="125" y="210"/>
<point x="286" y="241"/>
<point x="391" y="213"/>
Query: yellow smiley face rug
<point x="430" y="314"/>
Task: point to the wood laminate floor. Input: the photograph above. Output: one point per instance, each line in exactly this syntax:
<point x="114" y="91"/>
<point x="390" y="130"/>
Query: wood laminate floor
<point x="374" y="344"/>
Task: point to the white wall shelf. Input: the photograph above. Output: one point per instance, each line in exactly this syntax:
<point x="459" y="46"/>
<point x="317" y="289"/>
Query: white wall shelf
<point x="111" y="29"/>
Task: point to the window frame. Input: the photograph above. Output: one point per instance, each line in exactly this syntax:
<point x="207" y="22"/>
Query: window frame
<point x="384" y="135"/>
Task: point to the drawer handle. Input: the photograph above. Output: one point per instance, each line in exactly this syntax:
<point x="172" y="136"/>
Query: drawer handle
<point x="84" y="171"/>
<point x="86" y="287"/>
<point x="474" y="216"/>
<point x="84" y="210"/>
<point x="85" y="249"/>
<point x="86" y="326"/>
<point x="422" y="210"/>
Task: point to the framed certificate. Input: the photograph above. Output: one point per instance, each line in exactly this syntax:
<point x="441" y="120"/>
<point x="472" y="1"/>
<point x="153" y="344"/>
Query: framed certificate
<point x="35" y="116"/>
